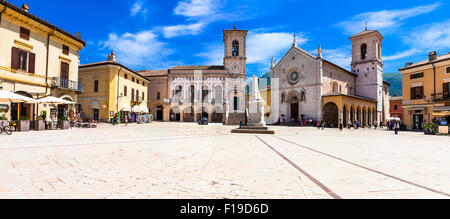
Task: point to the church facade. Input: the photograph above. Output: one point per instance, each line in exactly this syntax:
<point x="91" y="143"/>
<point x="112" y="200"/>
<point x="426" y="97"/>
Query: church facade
<point x="309" y="87"/>
<point x="190" y="93"/>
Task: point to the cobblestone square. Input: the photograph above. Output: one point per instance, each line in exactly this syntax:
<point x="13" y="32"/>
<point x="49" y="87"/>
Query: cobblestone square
<point x="178" y="160"/>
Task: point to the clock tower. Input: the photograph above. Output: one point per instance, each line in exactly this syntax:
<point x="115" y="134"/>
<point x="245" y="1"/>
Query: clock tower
<point x="235" y="52"/>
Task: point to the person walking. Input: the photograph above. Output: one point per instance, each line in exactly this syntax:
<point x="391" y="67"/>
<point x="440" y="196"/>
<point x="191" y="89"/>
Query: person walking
<point x="318" y="125"/>
<point x="358" y="123"/>
<point x="397" y="127"/>
<point x="126" y="119"/>
<point x="341" y="125"/>
<point x="323" y="125"/>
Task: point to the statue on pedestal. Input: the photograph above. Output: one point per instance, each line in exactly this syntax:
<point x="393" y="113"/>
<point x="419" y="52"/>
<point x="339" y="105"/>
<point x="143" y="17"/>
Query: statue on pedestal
<point x="256" y="106"/>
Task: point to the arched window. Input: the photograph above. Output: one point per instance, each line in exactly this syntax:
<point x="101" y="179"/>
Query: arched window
<point x="335" y="87"/>
<point x="363" y="51"/>
<point x="235" y="50"/>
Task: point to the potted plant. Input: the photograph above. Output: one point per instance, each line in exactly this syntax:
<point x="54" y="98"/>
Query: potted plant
<point x="39" y="125"/>
<point x="23" y="125"/>
<point x="64" y="123"/>
<point x="430" y="128"/>
<point x="3" y="120"/>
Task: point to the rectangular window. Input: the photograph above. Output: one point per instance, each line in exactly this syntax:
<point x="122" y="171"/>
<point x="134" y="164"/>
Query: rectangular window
<point x="143" y="84"/>
<point x="24" y="33"/>
<point x="22" y="60"/>
<point x="395" y="107"/>
<point x="416" y="93"/>
<point x="417" y="76"/>
<point x="95" y="86"/>
<point x="125" y="91"/>
<point x="138" y="81"/>
<point x="446" y="91"/>
<point x="448" y="70"/>
<point x="236" y="103"/>
<point x="137" y="95"/>
<point x="143" y="96"/>
<point x="64" y="75"/>
<point x="65" y="50"/>
<point x="126" y="76"/>
<point x="132" y="79"/>
<point x="158" y="96"/>
<point x="132" y="94"/>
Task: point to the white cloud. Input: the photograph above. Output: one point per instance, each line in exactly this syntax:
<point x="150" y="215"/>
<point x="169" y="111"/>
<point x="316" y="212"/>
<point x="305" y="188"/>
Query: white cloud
<point x="139" y="49"/>
<point x="138" y="8"/>
<point x="261" y="47"/>
<point x="386" y="20"/>
<point x="339" y="56"/>
<point x="400" y="55"/>
<point x="181" y="30"/>
<point x="433" y="36"/>
<point x="424" y="39"/>
<point x="195" y="8"/>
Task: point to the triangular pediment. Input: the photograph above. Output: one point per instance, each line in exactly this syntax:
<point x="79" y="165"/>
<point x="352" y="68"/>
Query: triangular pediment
<point x="296" y="50"/>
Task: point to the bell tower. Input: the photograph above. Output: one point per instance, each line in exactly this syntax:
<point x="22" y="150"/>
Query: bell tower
<point x="367" y="63"/>
<point x="235" y="58"/>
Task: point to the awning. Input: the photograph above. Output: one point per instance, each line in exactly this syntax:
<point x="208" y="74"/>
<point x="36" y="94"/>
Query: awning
<point x="94" y="105"/>
<point x="442" y="113"/>
<point x="144" y="110"/>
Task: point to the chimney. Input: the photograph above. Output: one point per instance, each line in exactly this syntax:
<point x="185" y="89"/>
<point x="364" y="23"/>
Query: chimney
<point x="25" y="7"/>
<point x="408" y="64"/>
<point x="432" y="56"/>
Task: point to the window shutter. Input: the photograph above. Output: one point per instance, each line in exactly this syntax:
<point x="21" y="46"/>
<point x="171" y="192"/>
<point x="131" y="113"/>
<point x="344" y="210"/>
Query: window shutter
<point x="31" y="62"/>
<point x="413" y="96"/>
<point x="446" y="90"/>
<point x="15" y="58"/>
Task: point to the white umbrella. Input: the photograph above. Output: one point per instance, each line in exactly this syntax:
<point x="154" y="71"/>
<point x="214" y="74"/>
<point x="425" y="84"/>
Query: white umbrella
<point x="125" y="108"/>
<point x="144" y="110"/>
<point x="54" y="100"/>
<point x="136" y="109"/>
<point x="9" y="97"/>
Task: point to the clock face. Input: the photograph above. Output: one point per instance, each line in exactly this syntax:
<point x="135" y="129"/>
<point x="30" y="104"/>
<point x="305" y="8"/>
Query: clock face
<point x="293" y="78"/>
<point x="235" y="67"/>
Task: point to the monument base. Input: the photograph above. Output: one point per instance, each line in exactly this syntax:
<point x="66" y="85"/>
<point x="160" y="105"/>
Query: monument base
<point x="253" y="130"/>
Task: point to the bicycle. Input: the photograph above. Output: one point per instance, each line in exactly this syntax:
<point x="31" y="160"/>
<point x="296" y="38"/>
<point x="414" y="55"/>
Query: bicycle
<point x="6" y="129"/>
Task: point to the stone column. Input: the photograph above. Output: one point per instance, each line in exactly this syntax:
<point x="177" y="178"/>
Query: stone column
<point x="349" y="118"/>
<point x="341" y="117"/>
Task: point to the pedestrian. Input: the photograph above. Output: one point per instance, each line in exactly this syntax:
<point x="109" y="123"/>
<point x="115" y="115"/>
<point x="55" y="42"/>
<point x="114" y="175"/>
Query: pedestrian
<point x="323" y="125"/>
<point x="341" y="125"/>
<point x="318" y="125"/>
<point x="116" y="116"/>
<point x="397" y="127"/>
<point x="240" y="125"/>
<point x="126" y="119"/>
<point x="358" y="123"/>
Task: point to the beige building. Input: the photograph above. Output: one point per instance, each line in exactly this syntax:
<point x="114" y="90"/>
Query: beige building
<point x="37" y="59"/>
<point x="110" y="87"/>
<point x="189" y="93"/>
<point x="426" y="88"/>
<point x="305" y="86"/>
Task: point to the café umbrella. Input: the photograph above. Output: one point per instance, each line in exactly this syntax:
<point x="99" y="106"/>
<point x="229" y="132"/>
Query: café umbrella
<point x="9" y="97"/>
<point x="54" y="100"/>
<point x="136" y="109"/>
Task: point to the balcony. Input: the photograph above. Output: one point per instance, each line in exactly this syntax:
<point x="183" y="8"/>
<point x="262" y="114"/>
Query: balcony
<point x="61" y="83"/>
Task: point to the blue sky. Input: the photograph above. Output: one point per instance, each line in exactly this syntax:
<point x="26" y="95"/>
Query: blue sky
<point x="155" y="34"/>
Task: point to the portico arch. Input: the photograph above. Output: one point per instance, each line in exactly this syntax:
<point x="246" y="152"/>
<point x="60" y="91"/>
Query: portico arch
<point x="331" y="114"/>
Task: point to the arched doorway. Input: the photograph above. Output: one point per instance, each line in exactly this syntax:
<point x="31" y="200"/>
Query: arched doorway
<point x="352" y="114"/>
<point x="175" y="115"/>
<point x="331" y="114"/>
<point x="188" y="114"/>
<point x="294" y="104"/>
<point x="217" y="116"/>
<point x="358" y="114"/>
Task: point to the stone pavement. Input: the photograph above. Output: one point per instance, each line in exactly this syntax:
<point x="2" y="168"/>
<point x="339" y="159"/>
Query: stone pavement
<point x="174" y="160"/>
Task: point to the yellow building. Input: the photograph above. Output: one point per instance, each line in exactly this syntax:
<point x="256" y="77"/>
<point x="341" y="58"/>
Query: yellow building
<point x="426" y="88"/>
<point x="37" y="59"/>
<point x="110" y="87"/>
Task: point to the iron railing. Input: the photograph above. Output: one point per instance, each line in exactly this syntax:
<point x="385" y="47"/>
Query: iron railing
<point x="67" y="84"/>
